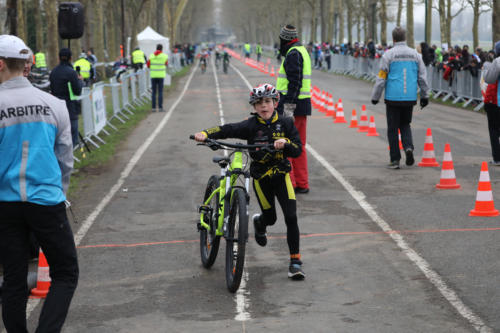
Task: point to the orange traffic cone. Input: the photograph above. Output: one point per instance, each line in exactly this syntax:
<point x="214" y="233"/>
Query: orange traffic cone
<point x="339" y="117"/>
<point x="484" y="197"/>
<point x="354" y="120"/>
<point x="428" y="157"/>
<point x="272" y="71"/>
<point x="313" y="97"/>
<point x="448" y="180"/>
<point x="372" y="130"/>
<point x="322" y="104"/>
<point x="43" y="280"/>
<point x="363" y="120"/>
<point x="330" y="110"/>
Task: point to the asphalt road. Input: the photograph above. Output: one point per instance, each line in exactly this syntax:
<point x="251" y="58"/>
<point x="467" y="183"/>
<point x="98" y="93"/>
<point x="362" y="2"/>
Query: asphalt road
<point x="434" y="269"/>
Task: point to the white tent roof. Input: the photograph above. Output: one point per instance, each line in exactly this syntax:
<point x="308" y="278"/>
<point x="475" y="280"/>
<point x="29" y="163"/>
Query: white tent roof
<point x="147" y="40"/>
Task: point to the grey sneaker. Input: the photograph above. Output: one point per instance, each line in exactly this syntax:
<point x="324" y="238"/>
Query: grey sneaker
<point x="161" y="110"/>
<point x="393" y="165"/>
<point x="153" y="110"/>
<point x="295" y="271"/>
<point x="260" y="232"/>
<point x="409" y="157"/>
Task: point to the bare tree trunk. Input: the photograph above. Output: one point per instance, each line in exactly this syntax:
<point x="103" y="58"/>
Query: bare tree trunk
<point x="323" y="21"/>
<point x="331" y="22"/>
<point x="448" y="22"/>
<point x="341" y="21"/>
<point x="98" y="26"/>
<point x="50" y="7"/>
<point x="112" y="46"/>
<point x="383" y="22"/>
<point x="160" y="25"/>
<point x="12" y="16"/>
<point x="86" y="42"/>
<point x="409" y="24"/>
<point x="313" y="21"/>
<point x="38" y="26"/>
<point x="350" y="23"/>
<point x="496" y="21"/>
<point x="428" y="37"/>
<point x="442" y="21"/>
<point x="21" y="24"/>
<point x="400" y="11"/>
<point x="358" y="28"/>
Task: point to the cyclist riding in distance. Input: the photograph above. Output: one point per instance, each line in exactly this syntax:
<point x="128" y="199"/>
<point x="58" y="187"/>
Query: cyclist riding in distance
<point x="204" y="56"/>
<point x="269" y="170"/>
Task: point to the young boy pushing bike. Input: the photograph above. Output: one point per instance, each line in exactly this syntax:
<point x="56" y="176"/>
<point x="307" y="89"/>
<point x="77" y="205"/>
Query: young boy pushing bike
<point x="270" y="170"/>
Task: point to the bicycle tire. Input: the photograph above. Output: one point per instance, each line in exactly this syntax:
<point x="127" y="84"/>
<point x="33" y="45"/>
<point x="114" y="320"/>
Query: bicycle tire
<point x="237" y="236"/>
<point x="209" y="242"/>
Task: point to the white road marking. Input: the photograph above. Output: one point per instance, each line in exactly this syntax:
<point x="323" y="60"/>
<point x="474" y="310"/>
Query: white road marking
<point x="89" y="221"/>
<point x="241" y="297"/>
<point x="448" y="293"/>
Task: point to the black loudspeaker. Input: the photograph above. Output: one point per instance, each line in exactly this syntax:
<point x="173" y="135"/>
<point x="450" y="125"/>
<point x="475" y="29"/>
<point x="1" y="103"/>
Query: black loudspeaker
<point x="70" y="20"/>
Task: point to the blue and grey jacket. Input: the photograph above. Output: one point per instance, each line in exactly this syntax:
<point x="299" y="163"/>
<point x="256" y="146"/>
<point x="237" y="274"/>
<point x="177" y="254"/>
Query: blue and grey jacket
<point x="36" y="151"/>
<point x="491" y="74"/>
<point x="401" y="71"/>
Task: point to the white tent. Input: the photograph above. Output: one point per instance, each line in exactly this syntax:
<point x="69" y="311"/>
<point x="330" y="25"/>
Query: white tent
<point x="148" y="39"/>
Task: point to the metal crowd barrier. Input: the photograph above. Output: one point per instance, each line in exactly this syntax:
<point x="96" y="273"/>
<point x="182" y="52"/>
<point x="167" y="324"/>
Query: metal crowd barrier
<point x="93" y="103"/>
<point x="463" y="87"/>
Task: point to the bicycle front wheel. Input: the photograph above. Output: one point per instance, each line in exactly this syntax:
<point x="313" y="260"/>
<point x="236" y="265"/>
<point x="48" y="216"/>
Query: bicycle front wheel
<point x="209" y="241"/>
<point x="237" y="235"/>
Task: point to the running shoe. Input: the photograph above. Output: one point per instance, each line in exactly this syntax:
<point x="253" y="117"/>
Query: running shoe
<point x="295" y="271"/>
<point x="409" y="157"/>
<point x="260" y="232"/>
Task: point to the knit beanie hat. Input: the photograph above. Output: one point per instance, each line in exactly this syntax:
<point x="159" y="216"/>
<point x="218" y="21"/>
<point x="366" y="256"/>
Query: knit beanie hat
<point x="497" y="48"/>
<point x="288" y="33"/>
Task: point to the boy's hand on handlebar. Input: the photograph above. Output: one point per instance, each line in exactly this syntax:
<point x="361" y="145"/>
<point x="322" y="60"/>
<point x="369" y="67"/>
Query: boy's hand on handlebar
<point x="279" y="144"/>
<point x="200" y="137"/>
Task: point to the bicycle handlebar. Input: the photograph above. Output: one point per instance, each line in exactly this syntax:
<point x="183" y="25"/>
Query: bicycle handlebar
<point x="214" y="145"/>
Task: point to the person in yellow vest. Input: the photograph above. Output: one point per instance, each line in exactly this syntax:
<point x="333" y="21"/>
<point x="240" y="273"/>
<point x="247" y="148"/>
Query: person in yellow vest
<point x="83" y="67"/>
<point x="248" y="50"/>
<point x="258" y="51"/>
<point x="157" y="63"/>
<point x="40" y="62"/>
<point x="138" y="59"/>
<point x="294" y="86"/>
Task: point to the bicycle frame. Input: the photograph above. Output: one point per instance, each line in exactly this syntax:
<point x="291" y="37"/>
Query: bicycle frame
<point x="229" y="176"/>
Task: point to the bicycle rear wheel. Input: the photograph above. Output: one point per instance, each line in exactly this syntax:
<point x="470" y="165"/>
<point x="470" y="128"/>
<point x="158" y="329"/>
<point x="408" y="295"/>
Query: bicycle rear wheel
<point x="237" y="235"/>
<point x="209" y="241"/>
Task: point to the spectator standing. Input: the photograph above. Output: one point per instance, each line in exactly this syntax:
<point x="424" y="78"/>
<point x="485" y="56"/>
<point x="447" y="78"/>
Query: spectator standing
<point x="258" y="51"/>
<point x="59" y="78"/>
<point x="491" y="74"/>
<point x="84" y="68"/>
<point x="157" y="63"/>
<point x="248" y="50"/>
<point x="294" y="86"/>
<point x="91" y="57"/>
<point x="138" y="59"/>
<point x="328" y="55"/>
<point x="35" y="141"/>
<point x="401" y="70"/>
<point x="40" y="62"/>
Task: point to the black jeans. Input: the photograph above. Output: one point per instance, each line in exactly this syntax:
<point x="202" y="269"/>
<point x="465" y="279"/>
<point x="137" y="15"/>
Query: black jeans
<point x="157" y="86"/>
<point x="493" y="115"/>
<point x="398" y="117"/>
<point x="279" y="185"/>
<point x="50" y="226"/>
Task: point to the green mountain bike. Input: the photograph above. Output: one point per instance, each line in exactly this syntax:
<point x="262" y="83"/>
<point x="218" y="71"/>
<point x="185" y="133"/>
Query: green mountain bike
<point x="224" y="211"/>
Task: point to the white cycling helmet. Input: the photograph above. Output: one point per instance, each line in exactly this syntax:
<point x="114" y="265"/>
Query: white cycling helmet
<point x="262" y="91"/>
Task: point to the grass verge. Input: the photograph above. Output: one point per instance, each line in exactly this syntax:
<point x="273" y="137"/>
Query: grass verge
<point x="97" y="158"/>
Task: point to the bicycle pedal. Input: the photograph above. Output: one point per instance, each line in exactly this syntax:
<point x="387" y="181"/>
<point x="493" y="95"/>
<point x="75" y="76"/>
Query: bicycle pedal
<point x="204" y="209"/>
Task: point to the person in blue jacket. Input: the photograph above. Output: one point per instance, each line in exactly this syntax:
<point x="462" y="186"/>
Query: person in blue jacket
<point x="401" y="71"/>
<point x="36" y="159"/>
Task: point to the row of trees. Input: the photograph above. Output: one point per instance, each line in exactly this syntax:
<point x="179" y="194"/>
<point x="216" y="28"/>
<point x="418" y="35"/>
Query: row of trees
<point x="327" y="20"/>
<point x="107" y="23"/>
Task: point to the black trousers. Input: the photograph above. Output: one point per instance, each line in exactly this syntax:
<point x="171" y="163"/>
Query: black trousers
<point x="493" y="115"/>
<point x="51" y="228"/>
<point x="279" y="186"/>
<point x="398" y="117"/>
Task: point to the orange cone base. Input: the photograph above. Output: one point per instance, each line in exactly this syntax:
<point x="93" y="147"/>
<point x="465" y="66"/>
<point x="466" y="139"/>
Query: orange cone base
<point x="447" y="186"/>
<point x="493" y="212"/>
<point x="428" y="164"/>
<point x="339" y="120"/>
<point x="35" y="293"/>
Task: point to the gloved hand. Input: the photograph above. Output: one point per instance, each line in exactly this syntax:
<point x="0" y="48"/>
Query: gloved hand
<point x="423" y="102"/>
<point x="289" y="109"/>
<point x="374" y="102"/>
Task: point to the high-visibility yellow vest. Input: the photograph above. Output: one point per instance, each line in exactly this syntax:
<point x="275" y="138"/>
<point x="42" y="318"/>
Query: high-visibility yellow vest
<point x="248" y="48"/>
<point x="85" y="67"/>
<point x="138" y="57"/>
<point x="258" y="49"/>
<point x="157" y="65"/>
<point x="282" y="82"/>
<point x="40" y="60"/>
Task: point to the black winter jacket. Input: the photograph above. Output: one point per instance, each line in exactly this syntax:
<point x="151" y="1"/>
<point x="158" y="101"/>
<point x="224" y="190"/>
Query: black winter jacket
<point x="258" y="131"/>
<point x="59" y="78"/>
<point x="293" y="68"/>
